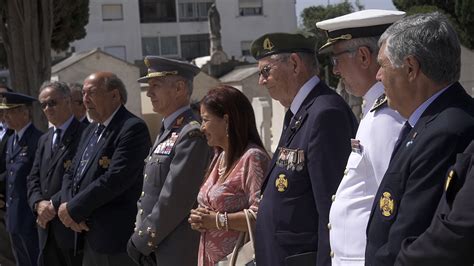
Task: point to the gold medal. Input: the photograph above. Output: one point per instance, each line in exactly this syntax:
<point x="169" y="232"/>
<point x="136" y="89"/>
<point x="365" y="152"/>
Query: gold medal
<point x="281" y="183"/>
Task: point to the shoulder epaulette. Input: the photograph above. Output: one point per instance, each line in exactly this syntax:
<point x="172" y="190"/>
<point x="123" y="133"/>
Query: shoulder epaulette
<point x="381" y="101"/>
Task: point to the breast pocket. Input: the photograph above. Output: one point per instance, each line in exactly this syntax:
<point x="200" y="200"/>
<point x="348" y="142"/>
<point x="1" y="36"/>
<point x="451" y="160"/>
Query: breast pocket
<point x="356" y="176"/>
<point x="157" y="168"/>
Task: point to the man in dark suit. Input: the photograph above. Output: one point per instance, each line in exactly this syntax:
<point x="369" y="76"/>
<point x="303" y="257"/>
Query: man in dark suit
<point x="21" y="148"/>
<point x="77" y="104"/>
<point x="174" y="169"/>
<point x="6" y="255"/>
<point x="292" y="224"/>
<point x="56" y="149"/>
<point x="422" y="86"/>
<point x="101" y="188"/>
<point x="450" y="238"/>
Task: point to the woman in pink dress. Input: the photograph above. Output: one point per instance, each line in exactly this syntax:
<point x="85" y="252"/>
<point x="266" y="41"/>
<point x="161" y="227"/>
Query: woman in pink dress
<point x="235" y="175"/>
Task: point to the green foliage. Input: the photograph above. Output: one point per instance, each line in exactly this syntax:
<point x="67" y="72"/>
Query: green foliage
<point x="310" y="16"/>
<point x="70" y="19"/>
<point x="459" y="12"/>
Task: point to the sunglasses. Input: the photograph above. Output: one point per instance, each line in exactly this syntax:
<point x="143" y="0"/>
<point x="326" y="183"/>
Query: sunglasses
<point x="50" y="104"/>
<point x="265" y="71"/>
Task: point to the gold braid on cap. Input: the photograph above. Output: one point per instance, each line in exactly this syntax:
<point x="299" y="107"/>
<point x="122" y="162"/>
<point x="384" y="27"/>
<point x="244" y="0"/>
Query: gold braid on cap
<point x="342" y="37"/>
<point x="161" y="74"/>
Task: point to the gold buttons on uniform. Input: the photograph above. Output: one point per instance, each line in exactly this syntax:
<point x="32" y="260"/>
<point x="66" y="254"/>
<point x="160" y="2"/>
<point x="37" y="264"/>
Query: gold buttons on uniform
<point x="346" y="171"/>
<point x="145" y="176"/>
<point x="140" y="233"/>
<point x="333" y="198"/>
<point x="143" y="193"/>
<point x="141" y="211"/>
<point x="331" y="254"/>
<point x="329" y="226"/>
<point x="150" y="244"/>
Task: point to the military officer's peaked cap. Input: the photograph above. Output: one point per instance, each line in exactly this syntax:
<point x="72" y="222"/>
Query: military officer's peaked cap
<point x="9" y="100"/>
<point x="365" y="23"/>
<point x="277" y="43"/>
<point x="160" y="66"/>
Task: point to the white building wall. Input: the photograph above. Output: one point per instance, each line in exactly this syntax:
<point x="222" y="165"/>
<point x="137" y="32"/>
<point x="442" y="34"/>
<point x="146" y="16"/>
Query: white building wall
<point x="278" y="16"/>
<point x="102" y="34"/>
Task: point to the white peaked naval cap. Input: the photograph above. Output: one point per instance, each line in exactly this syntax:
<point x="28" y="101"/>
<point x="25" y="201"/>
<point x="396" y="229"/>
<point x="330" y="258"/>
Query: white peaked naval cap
<point x="365" y="23"/>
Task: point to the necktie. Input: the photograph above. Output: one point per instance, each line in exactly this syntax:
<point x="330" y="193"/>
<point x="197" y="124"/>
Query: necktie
<point x="56" y="139"/>
<point x="287" y="120"/>
<point x="16" y="140"/>
<point x="162" y="128"/>
<point x="403" y="135"/>
<point x="86" y="155"/>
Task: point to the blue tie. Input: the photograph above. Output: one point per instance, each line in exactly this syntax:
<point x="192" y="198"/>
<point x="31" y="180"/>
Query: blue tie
<point x="87" y="155"/>
<point x="403" y="135"/>
<point x="56" y="139"/>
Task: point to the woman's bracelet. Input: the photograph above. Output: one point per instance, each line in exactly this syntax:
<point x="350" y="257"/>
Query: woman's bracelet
<point x="217" y="221"/>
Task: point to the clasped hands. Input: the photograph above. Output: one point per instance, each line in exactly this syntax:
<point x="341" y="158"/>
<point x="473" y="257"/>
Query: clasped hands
<point x="202" y="219"/>
<point x="67" y="220"/>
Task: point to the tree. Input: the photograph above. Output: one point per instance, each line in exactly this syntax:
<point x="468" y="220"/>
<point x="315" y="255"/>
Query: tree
<point x="459" y="12"/>
<point x="314" y="14"/>
<point x="29" y="30"/>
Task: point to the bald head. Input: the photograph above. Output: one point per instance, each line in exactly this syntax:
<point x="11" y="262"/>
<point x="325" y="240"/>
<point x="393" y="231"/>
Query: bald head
<point x="103" y="93"/>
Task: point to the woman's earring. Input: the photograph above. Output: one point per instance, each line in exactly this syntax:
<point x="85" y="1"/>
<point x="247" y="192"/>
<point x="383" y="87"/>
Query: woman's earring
<point x="227" y="130"/>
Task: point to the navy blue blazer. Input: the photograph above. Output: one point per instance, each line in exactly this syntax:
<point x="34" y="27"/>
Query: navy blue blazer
<point x="412" y="186"/>
<point x="294" y="212"/>
<point x="46" y="176"/>
<point x="450" y="238"/>
<point x="19" y="160"/>
<point x="106" y="194"/>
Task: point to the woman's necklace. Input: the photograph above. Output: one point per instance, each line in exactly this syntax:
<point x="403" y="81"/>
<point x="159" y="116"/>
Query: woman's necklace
<point x="221" y="167"/>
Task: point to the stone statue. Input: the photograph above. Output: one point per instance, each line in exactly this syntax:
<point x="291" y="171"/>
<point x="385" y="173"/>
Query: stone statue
<point x="217" y="54"/>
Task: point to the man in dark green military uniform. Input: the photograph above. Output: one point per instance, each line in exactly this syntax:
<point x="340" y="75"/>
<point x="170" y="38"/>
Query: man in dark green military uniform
<point x="174" y="170"/>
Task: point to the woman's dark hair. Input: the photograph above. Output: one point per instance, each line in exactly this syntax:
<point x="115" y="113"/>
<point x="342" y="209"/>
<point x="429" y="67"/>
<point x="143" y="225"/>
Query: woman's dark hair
<point x="226" y="100"/>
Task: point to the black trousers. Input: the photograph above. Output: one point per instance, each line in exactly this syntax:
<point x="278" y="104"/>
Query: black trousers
<point x="93" y="258"/>
<point x="53" y="255"/>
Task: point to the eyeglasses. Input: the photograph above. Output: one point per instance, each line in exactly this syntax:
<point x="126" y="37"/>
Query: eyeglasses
<point x="50" y="104"/>
<point x="265" y="71"/>
<point x="334" y="58"/>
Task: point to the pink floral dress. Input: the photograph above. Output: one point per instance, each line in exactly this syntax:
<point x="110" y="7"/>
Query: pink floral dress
<point x="237" y="192"/>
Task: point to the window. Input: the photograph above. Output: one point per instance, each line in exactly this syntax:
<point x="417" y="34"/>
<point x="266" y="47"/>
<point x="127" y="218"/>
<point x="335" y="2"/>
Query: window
<point x="169" y="45"/>
<point x="250" y="7"/>
<point x="112" y="12"/>
<point x="152" y="11"/>
<point x="193" y="46"/>
<point x="245" y="47"/>
<point x="193" y="11"/>
<point x="117" y="51"/>
<point x="150" y="46"/>
<point x="160" y="45"/>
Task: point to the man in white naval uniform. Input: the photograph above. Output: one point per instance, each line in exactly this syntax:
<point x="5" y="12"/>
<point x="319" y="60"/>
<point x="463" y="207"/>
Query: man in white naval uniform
<point x="352" y="40"/>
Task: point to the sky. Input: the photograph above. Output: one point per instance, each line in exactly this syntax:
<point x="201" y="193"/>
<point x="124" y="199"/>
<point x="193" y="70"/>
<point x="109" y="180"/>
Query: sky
<point x="368" y="4"/>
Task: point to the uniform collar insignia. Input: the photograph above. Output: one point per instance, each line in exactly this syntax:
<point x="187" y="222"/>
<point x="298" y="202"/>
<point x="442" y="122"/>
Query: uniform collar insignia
<point x="379" y="102"/>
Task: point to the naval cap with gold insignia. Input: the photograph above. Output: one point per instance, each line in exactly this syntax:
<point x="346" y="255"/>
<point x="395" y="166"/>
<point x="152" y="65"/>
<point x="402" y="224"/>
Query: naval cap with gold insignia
<point x="365" y="23"/>
<point x="10" y="100"/>
<point x="160" y="66"/>
<point x="277" y="43"/>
